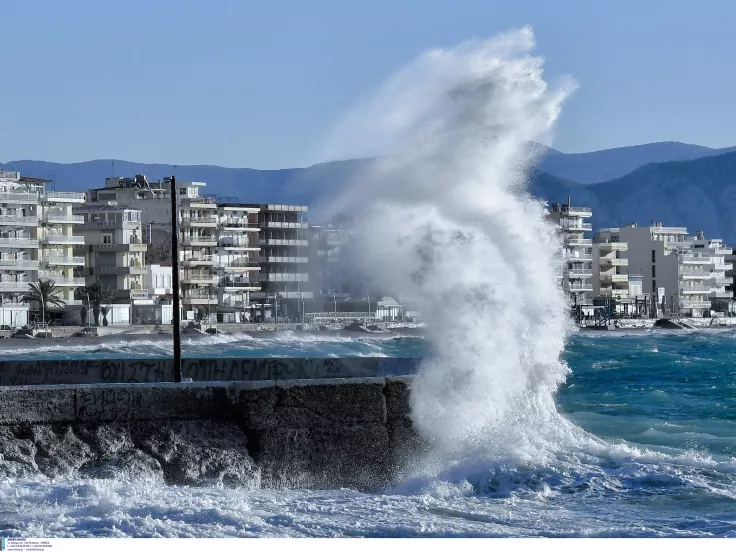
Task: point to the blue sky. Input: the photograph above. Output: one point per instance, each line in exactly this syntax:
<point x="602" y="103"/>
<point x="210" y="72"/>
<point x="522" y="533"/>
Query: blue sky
<point x="260" y="84"/>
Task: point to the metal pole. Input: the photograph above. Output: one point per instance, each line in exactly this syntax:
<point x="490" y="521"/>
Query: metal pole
<point x="175" y="279"/>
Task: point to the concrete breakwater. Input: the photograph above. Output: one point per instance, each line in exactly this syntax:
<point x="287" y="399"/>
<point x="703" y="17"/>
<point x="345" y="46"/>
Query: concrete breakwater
<point x="317" y="433"/>
<point x="158" y="370"/>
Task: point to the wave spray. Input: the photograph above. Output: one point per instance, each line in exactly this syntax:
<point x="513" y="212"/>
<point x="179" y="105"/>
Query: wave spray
<point x="447" y="221"/>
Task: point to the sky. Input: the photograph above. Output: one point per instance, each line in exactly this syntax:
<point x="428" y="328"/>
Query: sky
<point x="241" y="83"/>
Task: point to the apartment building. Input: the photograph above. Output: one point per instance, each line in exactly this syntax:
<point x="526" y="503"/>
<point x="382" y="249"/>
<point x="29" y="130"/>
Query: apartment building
<point x="37" y="235"/>
<point x="577" y="278"/>
<point x="114" y="252"/>
<point x="198" y="230"/>
<point x="238" y="261"/>
<point x="284" y="275"/>
<point x="610" y="265"/>
<point x="683" y="274"/>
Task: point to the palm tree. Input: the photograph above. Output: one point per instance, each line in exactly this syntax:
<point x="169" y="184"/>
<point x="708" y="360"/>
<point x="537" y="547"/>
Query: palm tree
<point x="45" y="292"/>
<point x="98" y="296"/>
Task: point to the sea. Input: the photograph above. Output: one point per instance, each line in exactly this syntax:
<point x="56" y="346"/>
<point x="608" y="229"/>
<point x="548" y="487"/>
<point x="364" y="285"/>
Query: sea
<point x="646" y="448"/>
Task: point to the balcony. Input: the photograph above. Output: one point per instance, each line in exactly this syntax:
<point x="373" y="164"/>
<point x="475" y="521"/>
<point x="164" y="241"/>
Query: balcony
<point x="200" y="241"/>
<point x="695" y="290"/>
<point x="289" y="225"/>
<point x="133" y="247"/>
<point x="10" y="264"/>
<point x="693" y="259"/>
<point x="579" y="273"/>
<point x="23" y="198"/>
<point x="579" y="259"/>
<point x="197" y="277"/>
<point x="694" y="275"/>
<point x="240" y="224"/>
<point x="18" y="243"/>
<point x="240" y="265"/>
<point x="292" y="260"/>
<point x="14" y="220"/>
<point x="580" y="287"/>
<point x="574" y="242"/>
<point x="608" y="261"/>
<point x="63" y="219"/>
<point x="722" y="295"/>
<point x="687" y="304"/>
<point x="199" y="260"/>
<point x="121" y="269"/>
<point x="276" y="277"/>
<point x="59" y="260"/>
<point x="199" y="297"/>
<point x="243" y="284"/>
<point x="61" y="280"/>
<point x="608" y="277"/>
<point x="199" y="222"/>
<point x="70" y="197"/>
<point x="14" y="286"/>
<point x="198" y="202"/>
<point x="239" y="244"/>
<point x="613" y="246"/>
<point x="63" y="240"/>
<point x="293" y="243"/>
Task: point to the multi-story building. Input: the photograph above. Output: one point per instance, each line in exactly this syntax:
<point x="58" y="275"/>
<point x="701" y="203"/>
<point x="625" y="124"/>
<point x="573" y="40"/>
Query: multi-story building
<point x="577" y="251"/>
<point x="36" y="240"/>
<point x="284" y="275"/>
<point x="610" y="265"/>
<point x="198" y="228"/>
<point x="114" y="251"/>
<point x="238" y="261"/>
<point x="682" y="274"/>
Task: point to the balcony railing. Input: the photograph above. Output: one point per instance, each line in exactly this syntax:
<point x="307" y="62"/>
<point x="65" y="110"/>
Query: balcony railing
<point x="61" y="280"/>
<point x="685" y="304"/>
<point x="14" y="286"/>
<point x="198" y="220"/>
<point x="61" y="239"/>
<point x="240" y="223"/>
<point x="29" y="198"/>
<point x="199" y="259"/>
<point x="580" y="271"/>
<point x="294" y="243"/>
<point x="202" y="241"/>
<point x="63" y="219"/>
<point x="578" y="242"/>
<point x="581" y="287"/>
<point x="60" y="260"/>
<point x="65" y="196"/>
<point x="10" y="264"/>
<point x="18" y="243"/>
<point x="15" y="220"/>
<point x="290" y="225"/>
<point x="294" y="260"/>
<point x="695" y="289"/>
<point x="239" y="283"/>
<point x="275" y="277"/>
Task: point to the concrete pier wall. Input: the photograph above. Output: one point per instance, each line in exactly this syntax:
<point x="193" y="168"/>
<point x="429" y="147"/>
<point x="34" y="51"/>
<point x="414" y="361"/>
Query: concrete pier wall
<point x="317" y="433"/>
<point x="51" y="372"/>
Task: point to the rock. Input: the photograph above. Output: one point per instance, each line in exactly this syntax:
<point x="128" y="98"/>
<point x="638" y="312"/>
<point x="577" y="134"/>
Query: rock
<point x="59" y="452"/>
<point x="17" y="455"/>
<point x="198" y="452"/>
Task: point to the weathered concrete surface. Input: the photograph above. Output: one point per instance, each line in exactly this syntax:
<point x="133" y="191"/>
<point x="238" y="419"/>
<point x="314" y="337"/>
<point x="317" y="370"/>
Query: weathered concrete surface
<point x="318" y="433"/>
<point x="50" y="372"/>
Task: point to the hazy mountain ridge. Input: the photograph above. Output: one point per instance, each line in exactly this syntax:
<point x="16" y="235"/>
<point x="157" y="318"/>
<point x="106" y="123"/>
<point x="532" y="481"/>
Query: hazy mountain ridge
<point x="698" y="193"/>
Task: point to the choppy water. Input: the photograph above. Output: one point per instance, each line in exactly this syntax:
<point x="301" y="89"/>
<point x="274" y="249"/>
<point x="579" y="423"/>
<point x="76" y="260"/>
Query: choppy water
<point x="658" y="458"/>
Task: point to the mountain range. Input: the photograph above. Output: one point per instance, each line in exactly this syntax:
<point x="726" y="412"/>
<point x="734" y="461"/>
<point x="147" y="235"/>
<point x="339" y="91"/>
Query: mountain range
<point x="678" y="184"/>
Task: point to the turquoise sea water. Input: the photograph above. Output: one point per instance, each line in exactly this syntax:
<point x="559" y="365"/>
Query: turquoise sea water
<point x="658" y="458"/>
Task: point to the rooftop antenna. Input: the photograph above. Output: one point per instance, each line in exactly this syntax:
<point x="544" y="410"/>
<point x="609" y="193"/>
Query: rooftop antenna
<point x="112" y="169"/>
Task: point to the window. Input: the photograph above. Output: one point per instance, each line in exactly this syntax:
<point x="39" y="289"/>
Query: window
<point x="654" y="272"/>
<point x="654" y="286"/>
<point x="182" y="191"/>
<point x="106" y="238"/>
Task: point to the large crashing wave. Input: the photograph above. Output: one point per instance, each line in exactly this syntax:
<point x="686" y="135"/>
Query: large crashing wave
<point x="447" y="221"/>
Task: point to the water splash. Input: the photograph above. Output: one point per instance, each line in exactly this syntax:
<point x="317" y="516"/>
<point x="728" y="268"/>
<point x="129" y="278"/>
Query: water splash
<point x="447" y="221"/>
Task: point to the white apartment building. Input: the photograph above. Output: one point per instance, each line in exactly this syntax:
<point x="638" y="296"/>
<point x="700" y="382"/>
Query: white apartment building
<point x="684" y="275"/>
<point x="577" y="278"/>
<point x="37" y="235"/>
<point x="114" y="251"/>
<point x="610" y="265"/>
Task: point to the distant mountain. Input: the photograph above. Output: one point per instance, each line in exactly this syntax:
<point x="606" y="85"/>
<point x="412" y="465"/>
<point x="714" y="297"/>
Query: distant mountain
<point x="699" y="194"/>
<point x="599" y="166"/>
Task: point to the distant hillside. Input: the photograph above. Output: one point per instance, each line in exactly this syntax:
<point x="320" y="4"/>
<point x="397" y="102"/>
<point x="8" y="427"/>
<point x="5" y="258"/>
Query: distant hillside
<point x="599" y="166"/>
<point x="699" y="193"/>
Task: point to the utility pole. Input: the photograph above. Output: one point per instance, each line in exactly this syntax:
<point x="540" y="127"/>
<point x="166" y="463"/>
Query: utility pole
<point x="175" y="279"/>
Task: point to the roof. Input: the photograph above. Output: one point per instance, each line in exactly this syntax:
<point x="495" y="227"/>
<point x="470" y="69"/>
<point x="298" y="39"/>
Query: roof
<point x="33" y="180"/>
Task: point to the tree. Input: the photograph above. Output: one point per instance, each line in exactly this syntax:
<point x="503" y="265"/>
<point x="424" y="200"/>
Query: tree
<point x="99" y="295"/>
<point x="104" y="311"/>
<point x="45" y="292"/>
